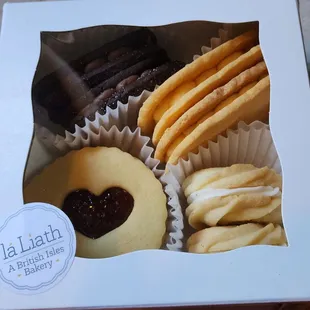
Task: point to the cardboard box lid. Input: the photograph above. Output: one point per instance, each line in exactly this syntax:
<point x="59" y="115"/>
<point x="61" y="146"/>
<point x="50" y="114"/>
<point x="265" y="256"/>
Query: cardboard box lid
<point x="252" y="274"/>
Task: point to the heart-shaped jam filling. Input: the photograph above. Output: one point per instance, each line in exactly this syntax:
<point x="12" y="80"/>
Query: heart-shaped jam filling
<point x="95" y="216"/>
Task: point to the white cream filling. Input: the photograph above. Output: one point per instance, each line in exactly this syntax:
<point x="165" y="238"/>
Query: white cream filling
<point x="208" y="193"/>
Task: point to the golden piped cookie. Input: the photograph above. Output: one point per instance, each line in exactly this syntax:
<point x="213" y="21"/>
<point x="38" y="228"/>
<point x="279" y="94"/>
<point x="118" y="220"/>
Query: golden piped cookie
<point x="196" y="72"/>
<point x="248" y="107"/>
<point x="207" y="107"/>
<point x="226" y="238"/>
<point x="237" y="194"/>
<point x="114" y="201"/>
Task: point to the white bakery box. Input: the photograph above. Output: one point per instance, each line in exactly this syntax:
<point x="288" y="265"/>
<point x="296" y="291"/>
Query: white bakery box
<point x="169" y="276"/>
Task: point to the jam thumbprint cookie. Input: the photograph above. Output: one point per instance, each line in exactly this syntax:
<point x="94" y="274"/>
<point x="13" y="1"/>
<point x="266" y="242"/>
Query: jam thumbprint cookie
<point x="114" y="201"/>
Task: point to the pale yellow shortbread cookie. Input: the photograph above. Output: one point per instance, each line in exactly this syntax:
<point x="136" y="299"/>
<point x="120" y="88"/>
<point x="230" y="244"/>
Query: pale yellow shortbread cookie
<point x="245" y="61"/>
<point x="180" y="91"/>
<point x="195" y="70"/>
<point x="236" y="194"/>
<point x="96" y="170"/>
<point x="208" y="106"/>
<point x="226" y="238"/>
<point x="250" y="106"/>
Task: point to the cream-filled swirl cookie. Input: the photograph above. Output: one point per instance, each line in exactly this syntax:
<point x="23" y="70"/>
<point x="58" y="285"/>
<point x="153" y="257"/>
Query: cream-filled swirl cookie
<point x="209" y="193"/>
<point x="221" y="239"/>
<point x="114" y="201"/>
<point x="236" y="194"/>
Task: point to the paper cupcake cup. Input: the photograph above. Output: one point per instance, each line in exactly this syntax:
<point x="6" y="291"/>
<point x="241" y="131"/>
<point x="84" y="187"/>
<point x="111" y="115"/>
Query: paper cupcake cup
<point x="128" y="141"/>
<point x="224" y="34"/>
<point x="248" y="144"/>
<point x="124" y="114"/>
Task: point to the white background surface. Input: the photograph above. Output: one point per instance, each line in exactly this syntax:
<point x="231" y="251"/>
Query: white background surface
<point x="304" y="9"/>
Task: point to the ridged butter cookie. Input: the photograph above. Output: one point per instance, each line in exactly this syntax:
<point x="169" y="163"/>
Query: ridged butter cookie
<point x="237" y="194"/>
<point x="221" y="239"/>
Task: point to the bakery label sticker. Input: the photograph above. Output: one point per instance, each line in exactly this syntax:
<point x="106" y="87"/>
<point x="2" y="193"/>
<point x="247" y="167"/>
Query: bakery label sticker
<point x="37" y="248"/>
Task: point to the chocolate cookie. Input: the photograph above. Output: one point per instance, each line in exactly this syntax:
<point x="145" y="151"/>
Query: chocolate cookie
<point x="132" y="86"/>
<point x="112" y="72"/>
<point x="134" y="40"/>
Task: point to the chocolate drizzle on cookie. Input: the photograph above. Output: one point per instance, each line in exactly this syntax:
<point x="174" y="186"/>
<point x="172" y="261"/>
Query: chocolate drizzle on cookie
<point x="95" y="216"/>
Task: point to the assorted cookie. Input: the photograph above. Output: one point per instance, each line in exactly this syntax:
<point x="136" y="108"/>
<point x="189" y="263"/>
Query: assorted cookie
<point x="226" y="238"/>
<point x="221" y="197"/>
<point x="207" y="97"/>
<point x="113" y="72"/>
<point x="114" y="201"/>
<point x="236" y="194"/>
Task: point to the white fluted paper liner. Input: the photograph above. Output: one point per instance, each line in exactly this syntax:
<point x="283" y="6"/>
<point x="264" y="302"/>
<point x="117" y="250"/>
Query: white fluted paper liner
<point x="133" y="143"/>
<point x="224" y="34"/>
<point x="248" y="144"/>
<point x="124" y="114"/>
